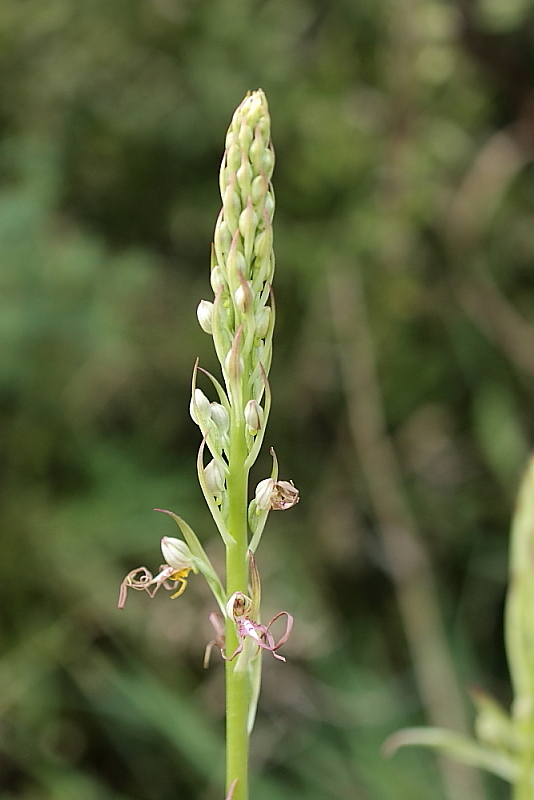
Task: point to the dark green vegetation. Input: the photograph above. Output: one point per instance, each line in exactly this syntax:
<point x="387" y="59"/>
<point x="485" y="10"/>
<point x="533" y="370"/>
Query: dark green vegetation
<point x="403" y="380"/>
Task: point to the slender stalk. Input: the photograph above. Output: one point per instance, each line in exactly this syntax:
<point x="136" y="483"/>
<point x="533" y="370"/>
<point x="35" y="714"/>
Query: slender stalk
<point x="237" y="685"/>
<point x="240" y="319"/>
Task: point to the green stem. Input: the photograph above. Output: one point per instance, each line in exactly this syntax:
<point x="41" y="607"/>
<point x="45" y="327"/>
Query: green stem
<point x="237" y="685"/>
<point x="524" y="785"/>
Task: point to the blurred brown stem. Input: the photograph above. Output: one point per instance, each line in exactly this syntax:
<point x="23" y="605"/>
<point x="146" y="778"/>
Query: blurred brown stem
<point x="409" y="566"/>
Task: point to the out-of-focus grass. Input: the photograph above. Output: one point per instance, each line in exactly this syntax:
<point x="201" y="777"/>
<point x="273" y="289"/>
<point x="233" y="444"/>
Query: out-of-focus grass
<point x="400" y="137"/>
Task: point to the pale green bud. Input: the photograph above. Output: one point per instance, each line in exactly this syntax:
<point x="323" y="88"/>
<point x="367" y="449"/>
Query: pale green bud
<point x="261" y="156"/>
<point x="265" y="128"/>
<point x="262" y="322"/>
<point x="253" y="416"/>
<point x="244" y="177"/>
<point x="268" y="161"/>
<point x="233" y="157"/>
<point x="216" y="278"/>
<point x="220" y="417"/>
<point x="248" y="221"/>
<point x="231" y="205"/>
<point x="199" y="408"/>
<point x="234" y="365"/>
<point x="222" y="239"/>
<point x="245" y="136"/>
<point x="236" y="263"/>
<point x="214" y="478"/>
<point x="263" y="243"/>
<point x="269" y="205"/>
<point x="243" y="297"/>
<point x="259" y="188"/>
<point x="205" y="315"/>
<point x="176" y="553"/>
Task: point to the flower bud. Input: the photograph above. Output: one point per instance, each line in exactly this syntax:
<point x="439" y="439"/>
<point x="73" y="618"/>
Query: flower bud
<point x="214" y="478"/>
<point x="199" y="407"/>
<point x="205" y="315"/>
<point x="231" y="205"/>
<point x="263" y="243"/>
<point x="245" y="136"/>
<point x="235" y="262"/>
<point x="176" y="553"/>
<point x="262" y="322"/>
<point x="233" y="156"/>
<point x="243" y="297"/>
<point x="234" y="364"/>
<point x="220" y="418"/>
<point x="276" y="495"/>
<point x="259" y="190"/>
<point x="216" y="278"/>
<point x="269" y="205"/>
<point x="222" y="239"/>
<point x="253" y="416"/>
<point x="244" y="176"/>
<point x="248" y="220"/>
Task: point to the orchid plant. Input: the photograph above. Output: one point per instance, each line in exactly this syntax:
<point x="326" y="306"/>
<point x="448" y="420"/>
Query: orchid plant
<point x="241" y="320"/>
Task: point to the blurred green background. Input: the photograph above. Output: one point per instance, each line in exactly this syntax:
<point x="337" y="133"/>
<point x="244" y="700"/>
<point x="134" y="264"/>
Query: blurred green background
<point x="403" y="382"/>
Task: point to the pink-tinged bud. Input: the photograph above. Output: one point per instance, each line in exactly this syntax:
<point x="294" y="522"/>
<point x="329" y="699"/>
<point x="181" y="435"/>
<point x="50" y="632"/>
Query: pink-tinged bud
<point x="276" y="495"/>
<point x="176" y="553"/>
<point x="253" y="416"/>
<point x="214" y="478"/>
<point x="205" y="315"/>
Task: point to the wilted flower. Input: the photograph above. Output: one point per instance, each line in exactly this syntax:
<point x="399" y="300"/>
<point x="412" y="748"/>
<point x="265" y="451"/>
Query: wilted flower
<point x="274" y="495"/>
<point x="172" y="575"/>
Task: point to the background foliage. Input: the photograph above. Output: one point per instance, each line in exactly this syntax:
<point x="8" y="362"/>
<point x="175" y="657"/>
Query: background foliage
<point x="403" y="380"/>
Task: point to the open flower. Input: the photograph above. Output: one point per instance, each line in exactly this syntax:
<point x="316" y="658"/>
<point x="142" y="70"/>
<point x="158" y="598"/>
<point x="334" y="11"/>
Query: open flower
<point x="274" y="495"/>
<point x="238" y="608"/>
<point x="172" y="575"/>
